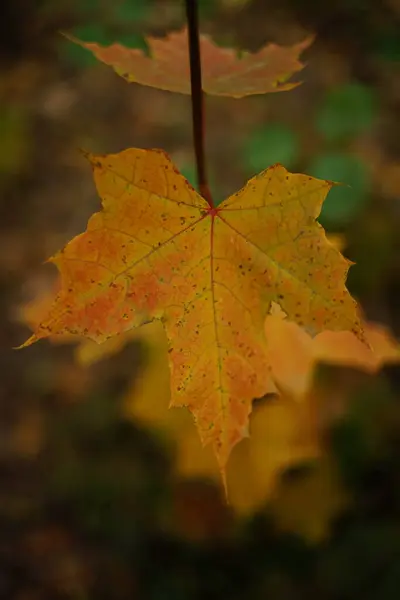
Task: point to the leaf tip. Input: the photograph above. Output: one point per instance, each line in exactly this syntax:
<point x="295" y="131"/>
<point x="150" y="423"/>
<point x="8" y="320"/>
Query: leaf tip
<point x="94" y="159"/>
<point x="66" y="35"/>
<point x="85" y="153"/>
<point x="31" y="340"/>
<point x="71" y="38"/>
<point x="307" y="42"/>
<point x="225" y="484"/>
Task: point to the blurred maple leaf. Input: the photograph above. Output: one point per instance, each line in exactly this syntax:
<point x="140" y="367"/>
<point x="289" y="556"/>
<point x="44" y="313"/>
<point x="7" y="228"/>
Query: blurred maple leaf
<point x="293" y="353"/>
<point x="285" y="430"/>
<point x="158" y="251"/>
<point x="306" y="503"/>
<point x="224" y="73"/>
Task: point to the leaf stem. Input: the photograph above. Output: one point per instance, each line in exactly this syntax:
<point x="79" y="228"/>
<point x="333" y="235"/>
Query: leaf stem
<point x="197" y="98"/>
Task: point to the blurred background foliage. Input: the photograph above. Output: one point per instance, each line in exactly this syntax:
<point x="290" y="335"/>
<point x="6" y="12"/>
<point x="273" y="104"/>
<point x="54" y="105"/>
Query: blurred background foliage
<point x="95" y="500"/>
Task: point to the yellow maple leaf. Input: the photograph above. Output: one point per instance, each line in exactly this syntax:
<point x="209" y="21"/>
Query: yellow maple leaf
<point x="224" y="73"/>
<point x="157" y="250"/>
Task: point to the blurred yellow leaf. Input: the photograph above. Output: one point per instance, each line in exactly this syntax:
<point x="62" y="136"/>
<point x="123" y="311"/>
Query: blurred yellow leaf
<point x="293" y="353"/>
<point x="283" y="432"/>
<point x="337" y="240"/>
<point x="306" y="503"/>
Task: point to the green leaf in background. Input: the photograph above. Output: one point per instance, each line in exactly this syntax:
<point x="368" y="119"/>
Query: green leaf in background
<point x="206" y="7"/>
<point x="345" y="202"/>
<point x="88" y="6"/>
<point x="132" y="10"/>
<point x="75" y="54"/>
<point x="387" y="45"/>
<point x="188" y="170"/>
<point x="269" y="145"/>
<point x="132" y="40"/>
<point x="120" y="10"/>
<point x="346" y="111"/>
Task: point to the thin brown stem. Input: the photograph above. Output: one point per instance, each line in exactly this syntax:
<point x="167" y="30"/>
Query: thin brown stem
<point x="197" y="98"/>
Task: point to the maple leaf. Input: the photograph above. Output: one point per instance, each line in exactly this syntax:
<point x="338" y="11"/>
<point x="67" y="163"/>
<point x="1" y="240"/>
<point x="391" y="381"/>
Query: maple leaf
<point x="158" y="251"/>
<point x="223" y="72"/>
